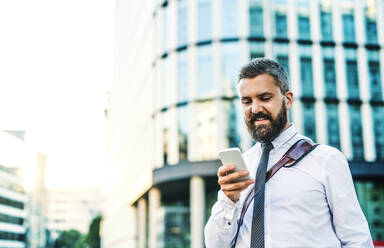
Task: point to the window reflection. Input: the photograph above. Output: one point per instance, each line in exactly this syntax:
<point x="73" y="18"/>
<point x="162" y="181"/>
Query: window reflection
<point x="166" y="84"/>
<point x="371" y="199"/>
<point x="329" y="72"/>
<point x="183" y="129"/>
<point x="333" y="125"/>
<point x="165" y="134"/>
<point x="166" y="28"/>
<point x="206" y="130"/>
<point x="204" y="20"/>
<point x="309" y="120"/>
<point x="281" y="52"/>
<point x="182" y="76"/>
<point x="306" y="70"/>
<point x="348" y="21"/>
<point x="230" y="67"/>
<point x="205" y="84"/>
<point x="256" y="49"/>
<point x="356" y="132"/>
<point x="303" y="20"/>
<point x="374" y="75"/>
<point x="256" y="18"/>
<point x="182" y="31"/>
<point x="229" y="18"/>
<point x="280" y="18"/>
<point x="326" y="21"/>
<point x="370" y="22"/>
<point x="352" y="73"/>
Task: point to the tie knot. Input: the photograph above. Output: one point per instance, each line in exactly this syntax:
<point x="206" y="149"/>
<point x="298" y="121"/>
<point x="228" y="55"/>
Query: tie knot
<point x="267" y="147"/>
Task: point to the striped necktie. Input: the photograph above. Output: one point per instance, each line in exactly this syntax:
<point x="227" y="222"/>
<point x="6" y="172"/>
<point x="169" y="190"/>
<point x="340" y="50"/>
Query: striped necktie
<point x="257" y="234"/>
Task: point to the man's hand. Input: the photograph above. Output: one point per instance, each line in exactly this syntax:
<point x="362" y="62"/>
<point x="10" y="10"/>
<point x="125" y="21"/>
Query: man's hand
<point x="231" y="189"/>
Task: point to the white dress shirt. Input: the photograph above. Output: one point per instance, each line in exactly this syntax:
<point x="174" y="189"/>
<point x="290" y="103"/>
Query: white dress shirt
<point x="312" y="204"/>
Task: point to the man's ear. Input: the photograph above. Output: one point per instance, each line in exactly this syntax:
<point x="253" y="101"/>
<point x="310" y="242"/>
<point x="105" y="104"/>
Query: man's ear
<point x="288" y="99"/>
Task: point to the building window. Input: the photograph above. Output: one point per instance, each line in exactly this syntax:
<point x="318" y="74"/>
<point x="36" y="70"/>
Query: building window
<point x="333" y="125"/>
<point x="374" y="75"/>
<point x="233" y="116"/>
<point x="306" y="71"/>
<point x="329" y="73"/>
<point x="348" y="27"/>
<point x="205" y="84"/>
<point x="370" y="23"/>
<point x="309" y="120"/>
<point x="206" y="130"/>
<point x="182" y="76"/>
<point x="352" y="74"/>
<point x="165" y="134"/>
<point x="166" y="29"/>
<point x="281" y="52"/>
<point x="229" y="18"/>
<point x="204" y="20"/>
<point x="281" y="25"/>
<point x="182" y="32"/>
<point x="230" y="65"/>
<point x="356" y="132"/>
<point x="256" y="18"/>
<point x="182" y="128"/>
<point x="378" y="131"/>
<point x="326" y="24"/>
<point x="371" y="199"/>
<point x="256" y="49"/>
<point x="304" y="27"/>
<point x="166" y="84"/>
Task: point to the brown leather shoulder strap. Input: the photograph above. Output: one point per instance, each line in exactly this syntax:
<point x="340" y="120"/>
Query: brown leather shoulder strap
<point x="295" y="153"/>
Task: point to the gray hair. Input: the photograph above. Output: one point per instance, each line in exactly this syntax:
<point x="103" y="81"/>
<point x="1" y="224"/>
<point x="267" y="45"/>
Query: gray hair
<point x="261" y="66"/>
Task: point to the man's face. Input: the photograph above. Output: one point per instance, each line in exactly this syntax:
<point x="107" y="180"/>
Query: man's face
<point x="265" y="107"/>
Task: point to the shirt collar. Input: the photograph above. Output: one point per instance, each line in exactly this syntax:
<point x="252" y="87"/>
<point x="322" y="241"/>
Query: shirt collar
<point x="284" y="136"/>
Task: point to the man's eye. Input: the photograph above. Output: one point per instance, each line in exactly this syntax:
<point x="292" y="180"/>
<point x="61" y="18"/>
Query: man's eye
<point x="245" y="101"/>
<point x="266" y="98"/>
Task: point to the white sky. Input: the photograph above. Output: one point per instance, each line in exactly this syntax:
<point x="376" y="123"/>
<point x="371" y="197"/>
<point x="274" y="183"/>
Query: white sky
<point x="56" y="62"/>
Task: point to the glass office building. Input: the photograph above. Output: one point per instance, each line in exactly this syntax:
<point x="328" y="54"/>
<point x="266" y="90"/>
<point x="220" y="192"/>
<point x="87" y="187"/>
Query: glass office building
<point x="334" y="54"/>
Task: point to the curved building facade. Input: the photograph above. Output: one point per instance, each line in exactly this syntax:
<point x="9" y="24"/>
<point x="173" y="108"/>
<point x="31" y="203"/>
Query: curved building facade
<point x="175" y="101"/>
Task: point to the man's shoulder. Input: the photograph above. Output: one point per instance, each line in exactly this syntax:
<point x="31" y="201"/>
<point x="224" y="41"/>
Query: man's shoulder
<point x="324" y="152"/>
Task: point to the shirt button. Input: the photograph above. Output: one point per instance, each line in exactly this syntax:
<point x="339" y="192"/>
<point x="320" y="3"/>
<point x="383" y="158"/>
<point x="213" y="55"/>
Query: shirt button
<point x="266" y="206"/>
<point x="266" y="232"/>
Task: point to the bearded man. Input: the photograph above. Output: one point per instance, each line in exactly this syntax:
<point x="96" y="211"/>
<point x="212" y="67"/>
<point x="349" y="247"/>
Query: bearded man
<point x="311" y="204"/>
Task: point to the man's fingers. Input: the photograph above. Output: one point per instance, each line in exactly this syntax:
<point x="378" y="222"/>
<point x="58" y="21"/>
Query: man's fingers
<point x="232" y="176"/>
<point x="239" y="186"/>
<point x="225" y="170"/>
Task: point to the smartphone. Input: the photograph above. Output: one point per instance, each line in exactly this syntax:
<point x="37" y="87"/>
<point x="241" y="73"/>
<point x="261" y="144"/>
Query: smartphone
<point x="233" y="156"/>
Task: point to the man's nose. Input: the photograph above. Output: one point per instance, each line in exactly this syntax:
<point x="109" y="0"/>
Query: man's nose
<point x="256" y="107"/>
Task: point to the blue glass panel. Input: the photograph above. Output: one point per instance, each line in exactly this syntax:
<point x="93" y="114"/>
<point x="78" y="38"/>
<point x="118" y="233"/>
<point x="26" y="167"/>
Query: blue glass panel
<point x="333" y="125"/>
<point x="309" y="120"/>
<point x="370" y="26"/>
<point x="233" y="119"/>
<point x="356" y="132"/>
<point x="182" y="30"/>
<point x="256" y="20"/>
<point x="374" y="75"/>
<point x="229" y="18"/>
<point x="182" y="76"/>
<point x="166" y="99"/>
<point x="371" y="199"/>
<point x="183" y="128"/>
<point x="378" y="130"/>
<point x="326" y="25"/>
<point x="348" y="27"/>
<point x="306" y="76"/>
<point x="165" y="134"/>
<point x="352" y="79"/>
<point x="330" y="77"/>
<point x="281" y="52"/>
<point x="166" y="28"/>
<point x="204" y="20"/>
<point x="205" y="84"/>
<point x="280" y="25"/>
<point x="230" y="67"/>
<point x="256" y="49"/>
<point x="304" y="27"/>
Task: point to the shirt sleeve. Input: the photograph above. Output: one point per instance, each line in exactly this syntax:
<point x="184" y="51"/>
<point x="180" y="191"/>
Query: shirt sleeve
<point x="222" y="225"/>
<point x="349" y="221"/>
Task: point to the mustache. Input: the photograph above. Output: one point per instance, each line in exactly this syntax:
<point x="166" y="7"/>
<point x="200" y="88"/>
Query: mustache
<point x="254" y="117"/>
